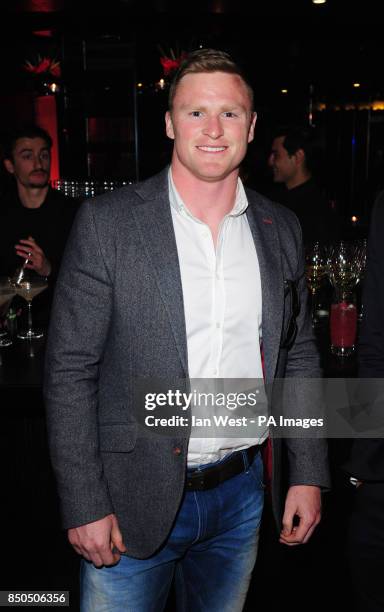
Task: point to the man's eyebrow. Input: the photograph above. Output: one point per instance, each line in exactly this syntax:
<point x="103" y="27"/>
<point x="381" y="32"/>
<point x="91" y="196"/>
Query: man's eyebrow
<point x="203" y="107"/>
<point x="26" y="150"/>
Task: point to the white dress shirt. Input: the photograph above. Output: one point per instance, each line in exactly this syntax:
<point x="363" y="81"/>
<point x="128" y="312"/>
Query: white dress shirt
<point x="222" y="307"/>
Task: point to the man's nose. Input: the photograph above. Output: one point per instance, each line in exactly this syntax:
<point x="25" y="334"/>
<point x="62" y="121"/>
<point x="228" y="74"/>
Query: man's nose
<point x="37" y="162"/>
<point x="271" y="159"/>
<point x="213" y="127"/>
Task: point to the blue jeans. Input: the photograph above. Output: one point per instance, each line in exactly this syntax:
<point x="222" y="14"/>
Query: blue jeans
<point x="210" y="551"/>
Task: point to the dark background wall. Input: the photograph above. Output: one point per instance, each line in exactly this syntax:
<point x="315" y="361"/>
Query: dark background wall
<point x="112" y="128"/>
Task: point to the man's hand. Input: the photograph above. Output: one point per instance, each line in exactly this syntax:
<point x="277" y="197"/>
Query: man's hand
<point x="304" y="502"/>
<point x="36" y="259"/>
<point x="95" y="541"/>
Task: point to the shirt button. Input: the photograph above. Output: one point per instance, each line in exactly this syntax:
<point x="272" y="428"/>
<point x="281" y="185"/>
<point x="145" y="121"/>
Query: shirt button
<point x="177" y="450"/>
<point x="218" y="325"/>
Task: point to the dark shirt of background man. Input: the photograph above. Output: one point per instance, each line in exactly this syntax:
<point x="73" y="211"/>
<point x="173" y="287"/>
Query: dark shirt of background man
<point x="317" y="219"/>
<point x="49" y="225"/>
<point x="294" y="156"/>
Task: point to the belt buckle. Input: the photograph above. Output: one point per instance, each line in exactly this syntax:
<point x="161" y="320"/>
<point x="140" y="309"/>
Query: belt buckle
<point x="196" y="480"/>
<point x="203" y="480"/>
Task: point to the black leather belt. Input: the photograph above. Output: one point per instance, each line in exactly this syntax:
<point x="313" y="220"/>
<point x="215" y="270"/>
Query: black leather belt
<point x="210" y="477"/>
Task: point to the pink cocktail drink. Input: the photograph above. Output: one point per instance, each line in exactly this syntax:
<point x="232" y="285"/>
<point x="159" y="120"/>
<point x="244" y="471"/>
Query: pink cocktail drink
<point x="343" y="325"/>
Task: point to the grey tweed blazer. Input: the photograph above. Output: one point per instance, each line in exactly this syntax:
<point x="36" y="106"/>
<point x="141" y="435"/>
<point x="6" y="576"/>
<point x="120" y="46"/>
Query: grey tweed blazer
<point x="118" y="316"/>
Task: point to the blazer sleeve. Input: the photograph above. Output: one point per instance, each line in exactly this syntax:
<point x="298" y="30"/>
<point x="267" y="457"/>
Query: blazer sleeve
<point x="80" y="319"/>
<point x="307" y="457"/>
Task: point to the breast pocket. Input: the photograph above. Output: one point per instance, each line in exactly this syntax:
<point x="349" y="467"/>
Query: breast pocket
<point x="117" y="437"/>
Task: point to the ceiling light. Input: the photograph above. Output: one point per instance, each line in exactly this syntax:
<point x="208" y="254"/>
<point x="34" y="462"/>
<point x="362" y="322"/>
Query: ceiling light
<point x="356" y="85"/>
<point x="319" y="1"/>
<point x="284" y="91"/>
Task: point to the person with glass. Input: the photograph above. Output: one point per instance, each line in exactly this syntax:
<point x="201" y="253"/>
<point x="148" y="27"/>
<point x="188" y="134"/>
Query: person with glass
<point x="34" y="218"/>
<point x="140" y="296"/>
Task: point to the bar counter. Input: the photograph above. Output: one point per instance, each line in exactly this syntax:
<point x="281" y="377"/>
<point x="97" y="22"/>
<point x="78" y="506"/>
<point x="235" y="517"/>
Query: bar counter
<point x="22" y="364"/>
<point x="36" y="553"/>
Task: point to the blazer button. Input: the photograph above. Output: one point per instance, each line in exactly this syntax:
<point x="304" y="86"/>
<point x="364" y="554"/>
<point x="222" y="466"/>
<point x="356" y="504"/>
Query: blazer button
<point x="177" y="450"/>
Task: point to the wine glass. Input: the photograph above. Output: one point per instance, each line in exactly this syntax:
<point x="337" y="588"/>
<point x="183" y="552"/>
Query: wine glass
<point x="361" y="263"/>
<point x="28" y="287"/>
<point x="343" y="266"/>
<point x="361" y="259"/>
<point x="316" y="269"/>
<point x="6" y="295"/>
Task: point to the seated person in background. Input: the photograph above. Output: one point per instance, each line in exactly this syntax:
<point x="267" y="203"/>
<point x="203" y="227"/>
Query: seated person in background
<point x="292" y="159"/>
<point x="34" y="218"/>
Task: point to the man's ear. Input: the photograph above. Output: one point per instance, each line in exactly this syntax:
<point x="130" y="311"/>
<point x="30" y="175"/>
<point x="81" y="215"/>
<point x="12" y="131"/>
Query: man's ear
<point x="300" y="157"/>
<point x="251" y="132"/>
<point x="9" y="166"/>
<point x="169" y="126"/>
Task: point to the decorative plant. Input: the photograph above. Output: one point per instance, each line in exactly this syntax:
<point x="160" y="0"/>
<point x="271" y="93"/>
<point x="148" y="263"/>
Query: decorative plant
<point x="44" y="66"/>
<point x="172" y="60"/>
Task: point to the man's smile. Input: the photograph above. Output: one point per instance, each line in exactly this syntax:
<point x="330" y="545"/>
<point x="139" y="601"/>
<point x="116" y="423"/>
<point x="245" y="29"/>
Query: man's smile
<point x="209" y="149"/>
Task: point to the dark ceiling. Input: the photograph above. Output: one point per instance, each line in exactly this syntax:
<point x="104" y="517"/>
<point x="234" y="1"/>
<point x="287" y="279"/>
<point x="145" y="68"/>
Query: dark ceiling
<point x="293" y="13"/>
<point x="282" y="44"/>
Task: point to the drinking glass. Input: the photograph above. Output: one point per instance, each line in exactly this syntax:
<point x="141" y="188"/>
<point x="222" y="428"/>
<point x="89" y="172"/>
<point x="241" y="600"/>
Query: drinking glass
<point x="343" y="265"/>
<point x="6" y="295"/>
<point x="343" y="324"/>
<point x="344" y="269"/>
<point x="30" y="285"/>
<point x="361" y="257"/>
<point x="316" y="269"/>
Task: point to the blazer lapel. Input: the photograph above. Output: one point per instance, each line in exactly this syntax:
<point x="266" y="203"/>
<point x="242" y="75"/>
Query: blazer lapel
<point x="265" y="235"/>
<point x="154" y="221"/>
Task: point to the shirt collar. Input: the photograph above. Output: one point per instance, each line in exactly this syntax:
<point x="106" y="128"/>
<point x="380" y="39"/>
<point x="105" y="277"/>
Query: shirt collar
<point x="241" y="202"/>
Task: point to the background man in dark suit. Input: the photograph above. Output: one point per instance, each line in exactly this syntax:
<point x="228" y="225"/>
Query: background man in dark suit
<point x="366" y="464"/>
<point x="183" y="276"/>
